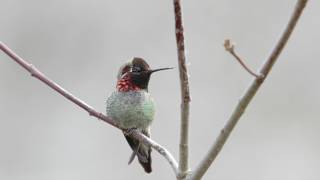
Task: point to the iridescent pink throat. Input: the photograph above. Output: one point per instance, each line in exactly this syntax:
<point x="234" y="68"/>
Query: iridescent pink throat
<point x="125" y="85"/>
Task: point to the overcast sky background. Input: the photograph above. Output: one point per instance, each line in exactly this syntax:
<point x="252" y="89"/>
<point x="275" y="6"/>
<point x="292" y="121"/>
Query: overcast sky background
<point x="81" y="44"/>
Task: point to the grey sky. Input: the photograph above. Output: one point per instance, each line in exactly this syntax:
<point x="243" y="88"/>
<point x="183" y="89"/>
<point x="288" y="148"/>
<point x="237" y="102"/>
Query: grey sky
<point x="81" y="44"/>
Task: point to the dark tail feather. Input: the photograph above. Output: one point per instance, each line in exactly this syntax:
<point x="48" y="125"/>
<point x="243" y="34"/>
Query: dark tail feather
<point x="142" y="151"/>
<point x="133" y="155"/>
<point x="146" y="165"/>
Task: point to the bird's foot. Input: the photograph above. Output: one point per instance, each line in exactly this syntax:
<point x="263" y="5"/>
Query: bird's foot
<point x="129" y="131"/>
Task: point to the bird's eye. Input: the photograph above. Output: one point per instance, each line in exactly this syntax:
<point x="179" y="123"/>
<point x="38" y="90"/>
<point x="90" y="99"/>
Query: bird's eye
<point x="136" y="69"/>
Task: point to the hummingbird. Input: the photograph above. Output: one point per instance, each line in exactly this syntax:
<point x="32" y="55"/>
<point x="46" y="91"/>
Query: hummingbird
<point x="132" y="107"/>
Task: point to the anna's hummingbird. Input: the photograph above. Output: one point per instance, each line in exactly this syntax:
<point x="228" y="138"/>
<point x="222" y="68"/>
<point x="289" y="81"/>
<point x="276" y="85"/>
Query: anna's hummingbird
<point x="132" y="107"/>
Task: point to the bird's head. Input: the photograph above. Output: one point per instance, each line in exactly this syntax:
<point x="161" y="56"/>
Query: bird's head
<point x="135" y="75"/>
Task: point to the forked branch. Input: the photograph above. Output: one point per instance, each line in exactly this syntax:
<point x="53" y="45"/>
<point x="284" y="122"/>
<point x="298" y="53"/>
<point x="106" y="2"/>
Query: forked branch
<point x="248" y="95"/>
<point x="214" y="150"/>
<point x="136" y="134"/>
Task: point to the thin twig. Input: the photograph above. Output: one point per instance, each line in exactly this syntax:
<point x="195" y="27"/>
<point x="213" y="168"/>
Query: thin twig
<point x="136" y="134"/>
<point x="185" y="94"/>
<point x="249" y="94"/>
<point x="230" y="48"/>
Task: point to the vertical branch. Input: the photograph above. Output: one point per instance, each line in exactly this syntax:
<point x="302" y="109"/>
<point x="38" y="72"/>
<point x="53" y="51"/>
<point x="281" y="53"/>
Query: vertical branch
<point x="185" y="95"/>
<point x="249" y="94"/>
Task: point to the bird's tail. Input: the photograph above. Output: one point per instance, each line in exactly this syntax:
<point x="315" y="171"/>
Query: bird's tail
<point x="140" y="150"/>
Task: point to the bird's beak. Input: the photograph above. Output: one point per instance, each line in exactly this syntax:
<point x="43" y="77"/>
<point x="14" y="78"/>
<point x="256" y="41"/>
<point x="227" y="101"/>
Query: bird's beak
<point x="160" y="69"/>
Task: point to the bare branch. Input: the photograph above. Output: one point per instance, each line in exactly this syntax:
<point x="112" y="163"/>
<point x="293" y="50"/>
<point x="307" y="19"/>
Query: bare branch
<point x="249" y="94"/>
<point x="185" y="94"/>
<point x="230" y="48"/>
<point x="136" y="134"/>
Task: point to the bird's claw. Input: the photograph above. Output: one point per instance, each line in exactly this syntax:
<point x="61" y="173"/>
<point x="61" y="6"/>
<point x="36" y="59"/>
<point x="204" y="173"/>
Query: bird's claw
<point x="129" y="131"/>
